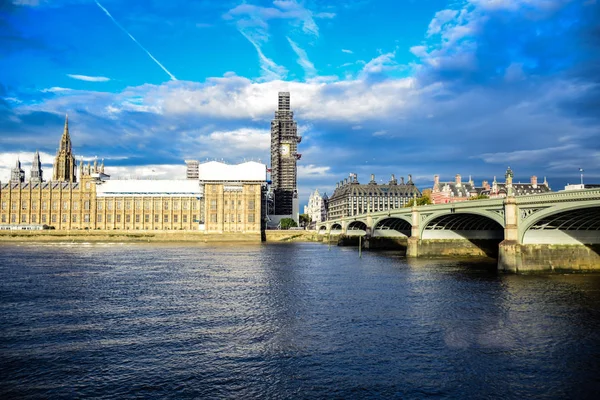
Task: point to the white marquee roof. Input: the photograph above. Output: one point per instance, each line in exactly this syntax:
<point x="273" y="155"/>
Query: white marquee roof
<point x="149" y="187"/>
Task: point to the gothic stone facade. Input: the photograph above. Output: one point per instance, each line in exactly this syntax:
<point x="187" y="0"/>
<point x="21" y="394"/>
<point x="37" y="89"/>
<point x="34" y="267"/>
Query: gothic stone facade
<point x="87" y="204"/>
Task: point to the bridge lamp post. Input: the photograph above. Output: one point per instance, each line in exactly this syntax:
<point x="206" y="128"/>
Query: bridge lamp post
<point x="581" y="172"/>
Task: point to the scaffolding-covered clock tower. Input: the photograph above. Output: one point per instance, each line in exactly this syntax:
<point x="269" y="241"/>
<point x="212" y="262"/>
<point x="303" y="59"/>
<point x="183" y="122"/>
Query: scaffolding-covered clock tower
<point x="284" y="155"/>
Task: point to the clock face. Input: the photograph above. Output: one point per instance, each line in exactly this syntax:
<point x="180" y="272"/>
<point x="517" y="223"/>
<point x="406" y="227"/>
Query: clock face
<point x="285" y="149"/>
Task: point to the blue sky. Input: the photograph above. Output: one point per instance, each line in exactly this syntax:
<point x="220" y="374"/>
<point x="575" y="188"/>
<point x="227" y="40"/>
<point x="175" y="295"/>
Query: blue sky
<point x="378" y="86"/>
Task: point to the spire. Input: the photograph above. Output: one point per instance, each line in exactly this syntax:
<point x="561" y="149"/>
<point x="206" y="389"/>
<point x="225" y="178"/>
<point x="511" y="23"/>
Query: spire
<point x="65" y="141"/>
<point x="36" y="169"/>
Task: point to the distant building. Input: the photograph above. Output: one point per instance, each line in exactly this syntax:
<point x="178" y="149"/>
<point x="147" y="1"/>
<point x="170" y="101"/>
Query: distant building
<point x="498" y="189"/>
<point x="284" y="156"/>
<point x="192" y="169"/>
<point x="353" y="198"/>
<point x="316" y="209"/>
<point x="454" y="191"/>
<point x="457" y="190"/>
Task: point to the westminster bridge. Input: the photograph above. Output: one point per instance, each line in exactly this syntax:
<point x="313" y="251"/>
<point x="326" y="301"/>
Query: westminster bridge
<point x="553" y="231"/>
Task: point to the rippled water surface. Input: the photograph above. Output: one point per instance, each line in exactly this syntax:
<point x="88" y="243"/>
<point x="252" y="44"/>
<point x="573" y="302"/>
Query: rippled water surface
<point x="287" y="321"/>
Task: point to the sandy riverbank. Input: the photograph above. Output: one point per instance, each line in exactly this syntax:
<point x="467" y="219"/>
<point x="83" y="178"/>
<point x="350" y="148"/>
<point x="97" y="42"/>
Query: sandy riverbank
<point x="154" y="236"/>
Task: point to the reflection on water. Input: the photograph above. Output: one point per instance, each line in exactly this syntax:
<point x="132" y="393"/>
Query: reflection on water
<point x="287" y="321"/>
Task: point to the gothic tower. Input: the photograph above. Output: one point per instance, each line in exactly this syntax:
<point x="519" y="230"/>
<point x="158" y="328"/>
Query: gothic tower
<point x="284" y="154"/>
<point x="36" y="169"/>
<point x="17" y="175"/>
<point x="64" y="164"/>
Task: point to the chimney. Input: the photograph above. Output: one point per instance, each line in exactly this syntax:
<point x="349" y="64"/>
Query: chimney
<point x="458" y="180"/>
<point x="436" y="182"/>
<point x="337" y="185"/>
<point x="346" y="181"/>
<point x="485" y="185"/>
<point x="534" y="181"/>
<point x="402" y="180"/>
<point x="373" y="182"/>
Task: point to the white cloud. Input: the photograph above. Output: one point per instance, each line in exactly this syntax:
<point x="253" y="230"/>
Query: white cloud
<point x="303" y="61"/>
<point x="347" y="51"/>
<point x="325" y="15"/>
<point x="238" y="141"/>
<point x="382" y="132"/>
<point x="55" y="89"/>
<point x="270" y="69"/>
<point x="154" y="171"/>
<point x="514" y="5"/>
<point x="253" y="22"/>
<point x="251" y="15"/>
<point x="441" y="18"/>
<point x="381" y="63"/>
<point x="524" y="155"/>
<point x="89" y="78"/>
<point x="312" y="171"/>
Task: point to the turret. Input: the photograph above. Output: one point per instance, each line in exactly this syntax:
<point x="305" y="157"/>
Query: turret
<point x="17" y="175"/>
<point x="36" y="175"/>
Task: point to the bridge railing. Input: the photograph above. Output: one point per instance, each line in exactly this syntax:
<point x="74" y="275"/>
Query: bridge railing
<point x="567" y="195"/>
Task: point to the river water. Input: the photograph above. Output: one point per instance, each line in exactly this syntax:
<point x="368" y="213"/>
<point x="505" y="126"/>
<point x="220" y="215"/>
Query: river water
<point x="293" y="321"/>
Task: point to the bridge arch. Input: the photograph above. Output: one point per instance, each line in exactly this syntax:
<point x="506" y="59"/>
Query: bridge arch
<point x="471" y="226"/>
<point x="336" y="227"/>
<point x="355" y="228"/>
<point x="392" y="226"/>
<point x="563" y="224"/>
<point x="322" y="229"/>
<point x="357" y="225"/>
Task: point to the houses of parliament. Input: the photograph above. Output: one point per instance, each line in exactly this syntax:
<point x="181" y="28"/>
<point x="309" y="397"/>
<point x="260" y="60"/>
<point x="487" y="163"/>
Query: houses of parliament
<point x="218" y="198"/>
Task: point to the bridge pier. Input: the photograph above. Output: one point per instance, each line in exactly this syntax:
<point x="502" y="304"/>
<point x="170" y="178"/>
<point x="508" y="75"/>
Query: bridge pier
<point x="412" y="246"/>
<point x="520" y="258"/>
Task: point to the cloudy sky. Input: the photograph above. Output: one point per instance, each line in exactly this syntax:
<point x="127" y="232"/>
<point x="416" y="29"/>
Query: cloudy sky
<point x="417" y="87"/>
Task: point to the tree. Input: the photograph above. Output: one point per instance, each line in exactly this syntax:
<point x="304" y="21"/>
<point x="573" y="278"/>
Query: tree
<point x="304" y="219"/>
<point x="480" y="196"/>
<point x="421" y="201"/>
<point x="287" y="223"/>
